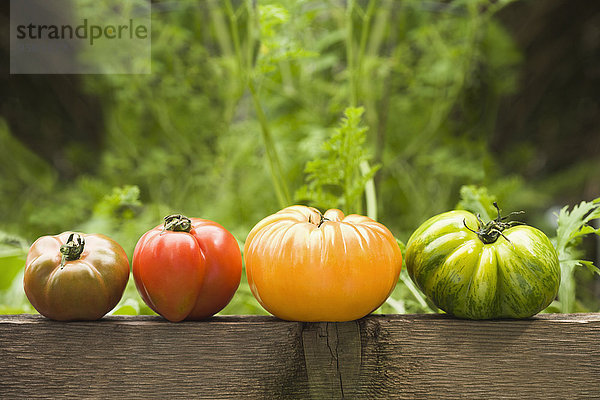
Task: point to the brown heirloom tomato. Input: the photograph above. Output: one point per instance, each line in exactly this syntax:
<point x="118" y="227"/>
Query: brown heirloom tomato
<point x="188" y="268"/>
<point x="305" y="266"/>
<point x="73" y="276"/>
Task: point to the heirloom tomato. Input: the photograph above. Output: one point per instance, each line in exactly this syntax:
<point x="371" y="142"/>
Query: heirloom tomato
<point x="483" y="271"/>
<point x="73" y="276"/>
<point x="305" y="266"/>
<point x="187" y="268"/>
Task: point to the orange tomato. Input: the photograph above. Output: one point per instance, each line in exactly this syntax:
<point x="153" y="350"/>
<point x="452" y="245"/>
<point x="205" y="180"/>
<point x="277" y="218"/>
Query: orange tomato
<point x="306" y="266"/>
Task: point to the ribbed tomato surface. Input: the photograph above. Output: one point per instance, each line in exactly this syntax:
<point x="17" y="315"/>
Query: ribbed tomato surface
<point x="515" y="276"/>
<point x="305" y="266"/>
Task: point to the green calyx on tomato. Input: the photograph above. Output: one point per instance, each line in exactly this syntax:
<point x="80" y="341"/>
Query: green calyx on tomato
<point x="71" y="250"/>
<point x="177" y="223"/>
<point x="501" y="269"/>
<point x="490" y="232"/>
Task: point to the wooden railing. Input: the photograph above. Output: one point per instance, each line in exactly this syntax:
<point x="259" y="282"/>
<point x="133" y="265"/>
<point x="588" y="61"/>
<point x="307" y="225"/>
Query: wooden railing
<point x="554" y="356"/>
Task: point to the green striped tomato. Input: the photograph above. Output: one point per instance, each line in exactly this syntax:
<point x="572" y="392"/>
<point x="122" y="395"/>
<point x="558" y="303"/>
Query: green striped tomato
<point x="483" y="271"/>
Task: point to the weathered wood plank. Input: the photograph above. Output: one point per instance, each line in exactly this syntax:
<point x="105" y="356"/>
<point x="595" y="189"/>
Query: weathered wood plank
<point x="149" y="358"/>
<point x="332" y="354"/>
<point x="384" y="356"/>
<point x="548" y="357"/>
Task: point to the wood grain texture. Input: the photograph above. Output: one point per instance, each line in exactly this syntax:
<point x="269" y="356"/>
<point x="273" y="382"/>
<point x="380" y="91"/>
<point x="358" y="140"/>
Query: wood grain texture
<point x="332" y="355"/>
<point x="378" y="357"/>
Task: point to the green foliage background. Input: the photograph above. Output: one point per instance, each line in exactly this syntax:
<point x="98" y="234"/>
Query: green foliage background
<point x="241" y="116"/>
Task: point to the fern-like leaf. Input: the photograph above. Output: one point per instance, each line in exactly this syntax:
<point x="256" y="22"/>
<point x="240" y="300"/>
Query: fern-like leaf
<point x="334" y="178"/>
<point x="572" y="226"/>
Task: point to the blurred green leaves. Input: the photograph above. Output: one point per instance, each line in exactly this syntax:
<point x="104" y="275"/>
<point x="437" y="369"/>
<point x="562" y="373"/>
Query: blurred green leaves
<point x="13" y="252"/>
<point x="277" y="47"/>
<point x="478" y="201"/>
<point x="123" y="203"/>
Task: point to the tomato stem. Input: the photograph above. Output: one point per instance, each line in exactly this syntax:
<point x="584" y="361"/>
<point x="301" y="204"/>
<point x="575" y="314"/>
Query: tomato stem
<point x="490" y="232"/>
<point x="72" y="249"/>
<point x="321" y="219"/>
<point x="177" y="223"/>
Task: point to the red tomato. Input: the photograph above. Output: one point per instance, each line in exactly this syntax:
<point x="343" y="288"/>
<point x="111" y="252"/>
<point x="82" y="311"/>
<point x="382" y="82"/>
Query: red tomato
<point x="187" y="268"/>
<point x="306" y="266"/>
<point x="74" y="276"/>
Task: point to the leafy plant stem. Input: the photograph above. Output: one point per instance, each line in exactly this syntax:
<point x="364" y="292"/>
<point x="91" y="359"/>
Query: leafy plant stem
<point x="235" y="36"/>
<point x="281" y="190"/>
<point x="366" y="26"/>
<point x="370" y="193"/>
<point x="277" y="178"/>
<point x="348" y="179"/>
<point x="566" y="291"/>
<point x="354" y="61"/>
<point x="350" y="54"/>
<point x="397" y="305"/>
<point x="413" y="290"/>
<point x="354" y="66"/>
<point x="252" y="24"/>
<point x="224" y="38"/>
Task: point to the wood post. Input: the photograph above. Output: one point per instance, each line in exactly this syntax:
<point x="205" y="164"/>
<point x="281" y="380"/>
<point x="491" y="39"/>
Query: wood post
<point x="332" y="355"/>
